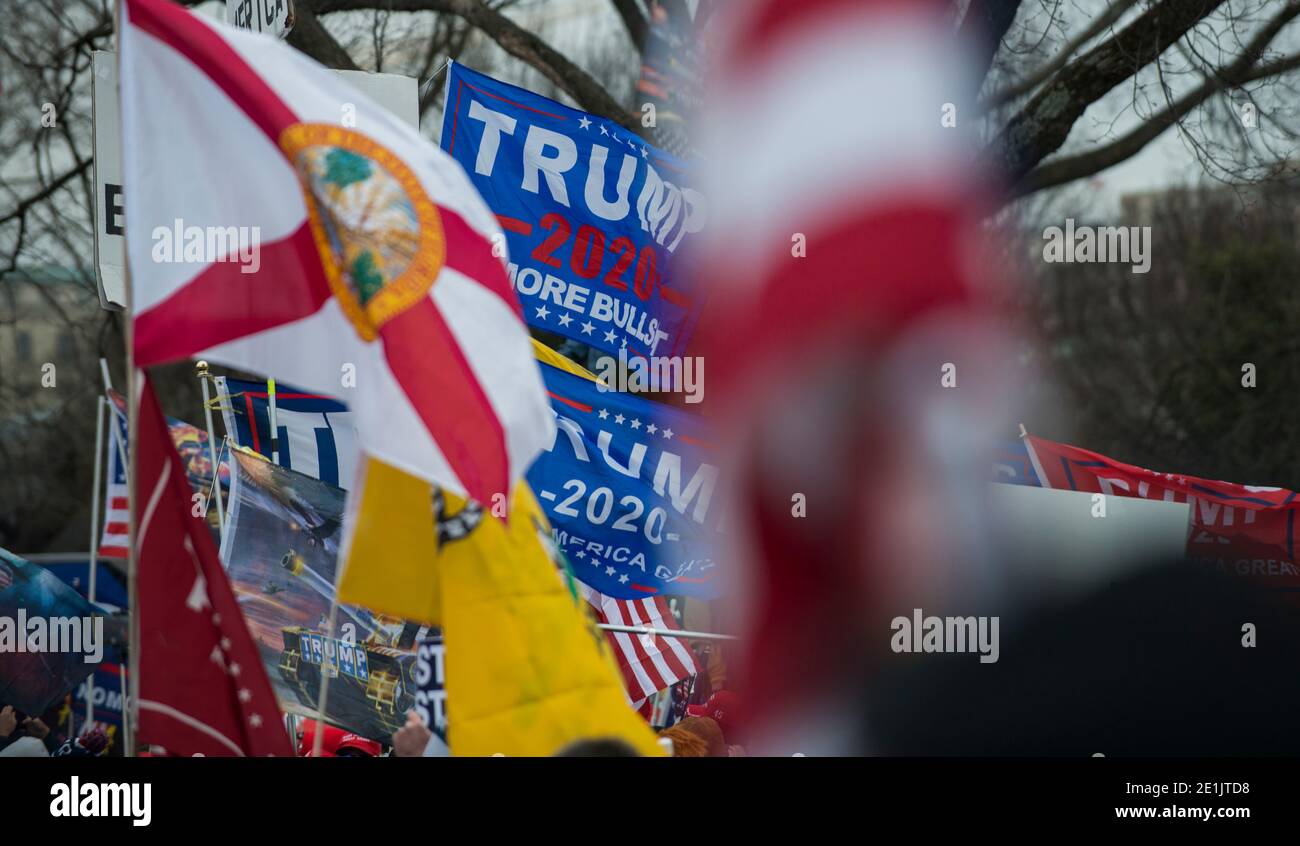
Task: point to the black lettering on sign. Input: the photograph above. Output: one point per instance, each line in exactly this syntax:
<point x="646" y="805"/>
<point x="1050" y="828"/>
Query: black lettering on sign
<point x="113" y="209"/>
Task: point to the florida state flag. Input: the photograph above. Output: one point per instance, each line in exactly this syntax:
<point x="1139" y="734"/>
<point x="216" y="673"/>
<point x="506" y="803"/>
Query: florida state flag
<point x="201" y="687"/>
<point x="281" y="222"/>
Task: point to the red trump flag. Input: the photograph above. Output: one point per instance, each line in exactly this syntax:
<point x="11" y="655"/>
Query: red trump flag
<point x="201" y="688"/>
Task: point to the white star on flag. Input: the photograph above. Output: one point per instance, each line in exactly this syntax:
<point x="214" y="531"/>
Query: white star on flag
<point x="668" y="434"/>
<point x="609" y="571"/>
<point x="609" y="336"/>
<point x="583" y="123"/>
<point x="542" y="311"/>
<point x="635" y="424"/>
<point x="565" y="320"/>
<point x="587" y="328"/>
<point x="603" y="414"/>
<point x="652" y="428"/>
<point x="618" y="418"/>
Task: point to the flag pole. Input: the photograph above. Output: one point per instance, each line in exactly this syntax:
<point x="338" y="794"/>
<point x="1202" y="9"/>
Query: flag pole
<point x="318" y="738"/>
<point x="201" y="371"/>
<point x="650" y="630"/>
<point x="275" y="429"/>
<point x="130" y="709"/>
<point x="94" y="534"/>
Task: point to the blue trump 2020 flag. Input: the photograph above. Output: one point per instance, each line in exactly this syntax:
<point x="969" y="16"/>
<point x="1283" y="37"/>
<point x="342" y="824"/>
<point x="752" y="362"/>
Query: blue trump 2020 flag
<point x="315" y="433"/>
<point x="627" y="484"/>
<point x="593" y="215"/>
<point x="630" y="491"/>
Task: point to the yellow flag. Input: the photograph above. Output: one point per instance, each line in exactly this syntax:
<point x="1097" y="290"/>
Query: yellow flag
<point x="527" y="671"/>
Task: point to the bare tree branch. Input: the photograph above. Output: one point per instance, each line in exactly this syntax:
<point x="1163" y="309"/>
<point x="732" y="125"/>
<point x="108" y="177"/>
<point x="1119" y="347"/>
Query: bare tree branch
<point x="515" y="40"/>
<point x="636" y="21"/>
<point x="1027" y="85"/>
<point x="310" y="36"/>
<point x="1241" y="71"/>
<point x="1042" y="126"/>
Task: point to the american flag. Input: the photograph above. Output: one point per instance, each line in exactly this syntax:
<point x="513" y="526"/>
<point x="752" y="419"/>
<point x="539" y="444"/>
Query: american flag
<point x="115" y="538"/>
<point x="649" y="663"/>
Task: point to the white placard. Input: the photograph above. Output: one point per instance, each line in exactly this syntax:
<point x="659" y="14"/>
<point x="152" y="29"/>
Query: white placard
<point x="1060" y="542"/>
<point x="110" y="246"/>
<point x="399" y="94"/>
<point x="271" y="16"/>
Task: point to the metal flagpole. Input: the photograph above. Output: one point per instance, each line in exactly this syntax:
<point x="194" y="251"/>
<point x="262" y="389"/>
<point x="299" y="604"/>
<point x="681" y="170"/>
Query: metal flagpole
<point x="129" y="714"/>
<point x="319" y="737"/>
<point x="126" y="710"/>
<point x="94" y="535"/>
<point x="275" y="430"/>
<point x="650" y="630"/>
<point x="201" y="371"/>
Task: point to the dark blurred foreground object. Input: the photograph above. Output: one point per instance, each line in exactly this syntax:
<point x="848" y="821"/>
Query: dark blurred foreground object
<point x="598" y="747"/>
<point x="1153" y="664"/>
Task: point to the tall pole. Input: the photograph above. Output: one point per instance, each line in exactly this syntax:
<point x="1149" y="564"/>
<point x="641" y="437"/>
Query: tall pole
<point x="94" y="535"/>
<point x="130" y="711"/>
<point x="201" y="371"/>
<point x="275" y="429"/>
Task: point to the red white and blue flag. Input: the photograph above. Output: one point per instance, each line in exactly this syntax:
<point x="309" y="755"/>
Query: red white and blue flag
<point x="277" y="219"/>
<point x="649" y="662"/>
<point x="114" y="540"/>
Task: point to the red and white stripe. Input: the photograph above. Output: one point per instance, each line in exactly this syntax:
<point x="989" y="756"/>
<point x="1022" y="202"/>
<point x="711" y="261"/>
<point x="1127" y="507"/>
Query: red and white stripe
<point x="449" y="391"/>
<point x="826" y="127"/>
<point x="649" y="662"/>
<point x="113" y="542"/>
<point x="827" y="123"/>
<point x="115" y="539"/>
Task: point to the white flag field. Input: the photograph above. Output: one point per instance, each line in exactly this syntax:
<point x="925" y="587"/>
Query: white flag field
<point x="278" y="220"/>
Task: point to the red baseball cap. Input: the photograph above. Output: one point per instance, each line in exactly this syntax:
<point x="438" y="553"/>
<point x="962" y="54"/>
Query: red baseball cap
<point x="723" y="706"/>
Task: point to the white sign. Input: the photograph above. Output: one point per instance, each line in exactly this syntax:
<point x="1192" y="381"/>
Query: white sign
<point x="1066" y="542"/>
<point x="399" y="94"/>
<point x="110" y="246"/>
<point x="272" y="16"/>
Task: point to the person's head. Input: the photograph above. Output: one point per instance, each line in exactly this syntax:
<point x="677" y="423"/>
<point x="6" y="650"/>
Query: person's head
<point x="724" y="708"/>
<point x="598" y="747"/>
<point x="696" y="737"/>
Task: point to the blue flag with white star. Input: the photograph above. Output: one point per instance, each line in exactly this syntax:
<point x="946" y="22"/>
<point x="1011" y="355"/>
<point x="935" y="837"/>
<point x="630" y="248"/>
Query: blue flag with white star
<point x="630" y="488"/>
<point x="592" y="214"/>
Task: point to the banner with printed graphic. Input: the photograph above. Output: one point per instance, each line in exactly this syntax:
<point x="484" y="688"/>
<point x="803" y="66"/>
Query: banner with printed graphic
<point x="1247" y="530"/>
<point x="629" y="487"/>
<point x="593" y="215"/>
<point x="48" y="642"/>
<point x="430" y="678"/>
<point x="315" y="433"/>
<point x="281" y="553"/>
